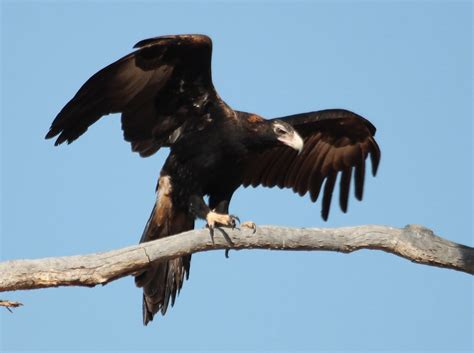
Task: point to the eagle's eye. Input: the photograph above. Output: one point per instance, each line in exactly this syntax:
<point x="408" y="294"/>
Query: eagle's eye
<point x="279" y="130"/>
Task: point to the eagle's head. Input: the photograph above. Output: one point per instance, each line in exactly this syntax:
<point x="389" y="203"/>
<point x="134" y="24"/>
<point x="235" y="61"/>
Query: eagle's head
<point x="264" y="133"/>
<point x="286" y="134"/>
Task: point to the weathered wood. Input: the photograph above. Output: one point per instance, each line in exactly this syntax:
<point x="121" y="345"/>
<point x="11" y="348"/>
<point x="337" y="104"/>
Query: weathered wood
<point x="415" y="243"/>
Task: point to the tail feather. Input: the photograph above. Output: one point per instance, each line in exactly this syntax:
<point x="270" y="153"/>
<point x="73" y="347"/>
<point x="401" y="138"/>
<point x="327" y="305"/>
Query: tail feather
<point x="163" y="281"/>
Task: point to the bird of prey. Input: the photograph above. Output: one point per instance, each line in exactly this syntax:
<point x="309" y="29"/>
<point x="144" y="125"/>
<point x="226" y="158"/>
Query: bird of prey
<point x="166" y="98"/>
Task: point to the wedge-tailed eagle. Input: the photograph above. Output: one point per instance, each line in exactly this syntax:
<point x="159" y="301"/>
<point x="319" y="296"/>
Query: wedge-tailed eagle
<point x="166" y="98"/>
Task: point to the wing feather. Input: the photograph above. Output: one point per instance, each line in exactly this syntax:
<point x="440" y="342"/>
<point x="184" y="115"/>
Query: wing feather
<point x="359" y="176"/>
<point x="153" y="87"/>
<point x="327" y="193"/>
<point x="344" y="188"/>
<point x="272" y="162"/>
<point x="261" y="167"/>
<point x="277" y="176"/>
<point x="304" y="175"/>
<point x="374" y="155"/>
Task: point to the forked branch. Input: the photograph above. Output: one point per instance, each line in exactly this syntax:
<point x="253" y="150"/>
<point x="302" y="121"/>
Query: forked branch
<point x="415" y="243"/>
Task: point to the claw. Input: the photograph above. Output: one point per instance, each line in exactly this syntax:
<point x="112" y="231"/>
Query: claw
<point x="250" y="225"/>
<point x="234" y="220"/>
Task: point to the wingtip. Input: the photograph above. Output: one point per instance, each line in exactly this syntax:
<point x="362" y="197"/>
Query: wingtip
<point x="344" y="208"/>
<point x="375" y="160"/>
<point x="51" y="133"/>
<point x="61" y="138"/>
<point x="325" y="215"/>
<point x="375" y="168"/>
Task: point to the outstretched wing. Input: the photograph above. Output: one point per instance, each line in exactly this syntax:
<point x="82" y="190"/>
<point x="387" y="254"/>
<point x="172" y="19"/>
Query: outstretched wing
<point x="335" y="142"/>
<point x="157" y="87"/>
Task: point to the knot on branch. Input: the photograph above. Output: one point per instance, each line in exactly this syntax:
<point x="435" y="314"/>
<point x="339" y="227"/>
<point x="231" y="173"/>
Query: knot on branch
<point x="418" y="230"/>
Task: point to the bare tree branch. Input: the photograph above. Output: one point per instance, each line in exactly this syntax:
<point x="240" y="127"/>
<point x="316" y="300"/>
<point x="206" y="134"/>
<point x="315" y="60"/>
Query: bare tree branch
<point x="415" y="243"/>
<point x="9" y="304"/>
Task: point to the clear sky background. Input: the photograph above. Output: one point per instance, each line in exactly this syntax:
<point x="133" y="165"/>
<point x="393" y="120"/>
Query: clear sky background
<point x="406" y="66"/>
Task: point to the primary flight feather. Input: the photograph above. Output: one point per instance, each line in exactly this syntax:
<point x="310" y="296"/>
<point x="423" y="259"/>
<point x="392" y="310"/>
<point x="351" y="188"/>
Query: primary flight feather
<point x="166" y="98"/>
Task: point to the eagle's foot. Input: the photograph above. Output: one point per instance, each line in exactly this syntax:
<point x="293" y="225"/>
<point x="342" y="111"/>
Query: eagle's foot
<point x="250" y="225"/>
<point x="215" y="219"/>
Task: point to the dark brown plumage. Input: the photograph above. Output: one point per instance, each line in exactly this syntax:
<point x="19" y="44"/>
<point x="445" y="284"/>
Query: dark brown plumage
<point x="335" y="141"/>
<point x="166" y="98"/>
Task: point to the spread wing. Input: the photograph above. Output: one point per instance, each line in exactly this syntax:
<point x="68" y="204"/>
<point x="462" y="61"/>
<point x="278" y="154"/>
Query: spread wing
<point x="335" y="142"/>
<point x="167" y="80"/>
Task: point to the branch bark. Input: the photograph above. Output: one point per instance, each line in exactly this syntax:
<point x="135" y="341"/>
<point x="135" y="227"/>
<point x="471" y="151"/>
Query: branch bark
<point x="415" y="243"/>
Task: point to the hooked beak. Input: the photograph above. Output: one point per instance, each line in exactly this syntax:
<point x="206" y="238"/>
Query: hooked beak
<point x="294" y="141"/>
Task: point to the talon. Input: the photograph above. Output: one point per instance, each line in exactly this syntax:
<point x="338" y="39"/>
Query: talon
<point x="250" y="225"/>
<point x="216" y="219"/>
<point x="234" y="220"/>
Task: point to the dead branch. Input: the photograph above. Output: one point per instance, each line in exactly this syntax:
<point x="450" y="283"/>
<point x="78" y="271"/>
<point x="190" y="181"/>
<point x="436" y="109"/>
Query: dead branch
<point x="415" y="243"/>
<point x="9" y="304"/>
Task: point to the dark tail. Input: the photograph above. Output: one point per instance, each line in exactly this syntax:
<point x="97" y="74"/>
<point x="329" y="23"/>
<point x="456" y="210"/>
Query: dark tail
<point x="163" y="281"/>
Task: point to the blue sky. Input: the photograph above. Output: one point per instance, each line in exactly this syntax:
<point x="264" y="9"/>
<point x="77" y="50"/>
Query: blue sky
<point x="406" y="66"/>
